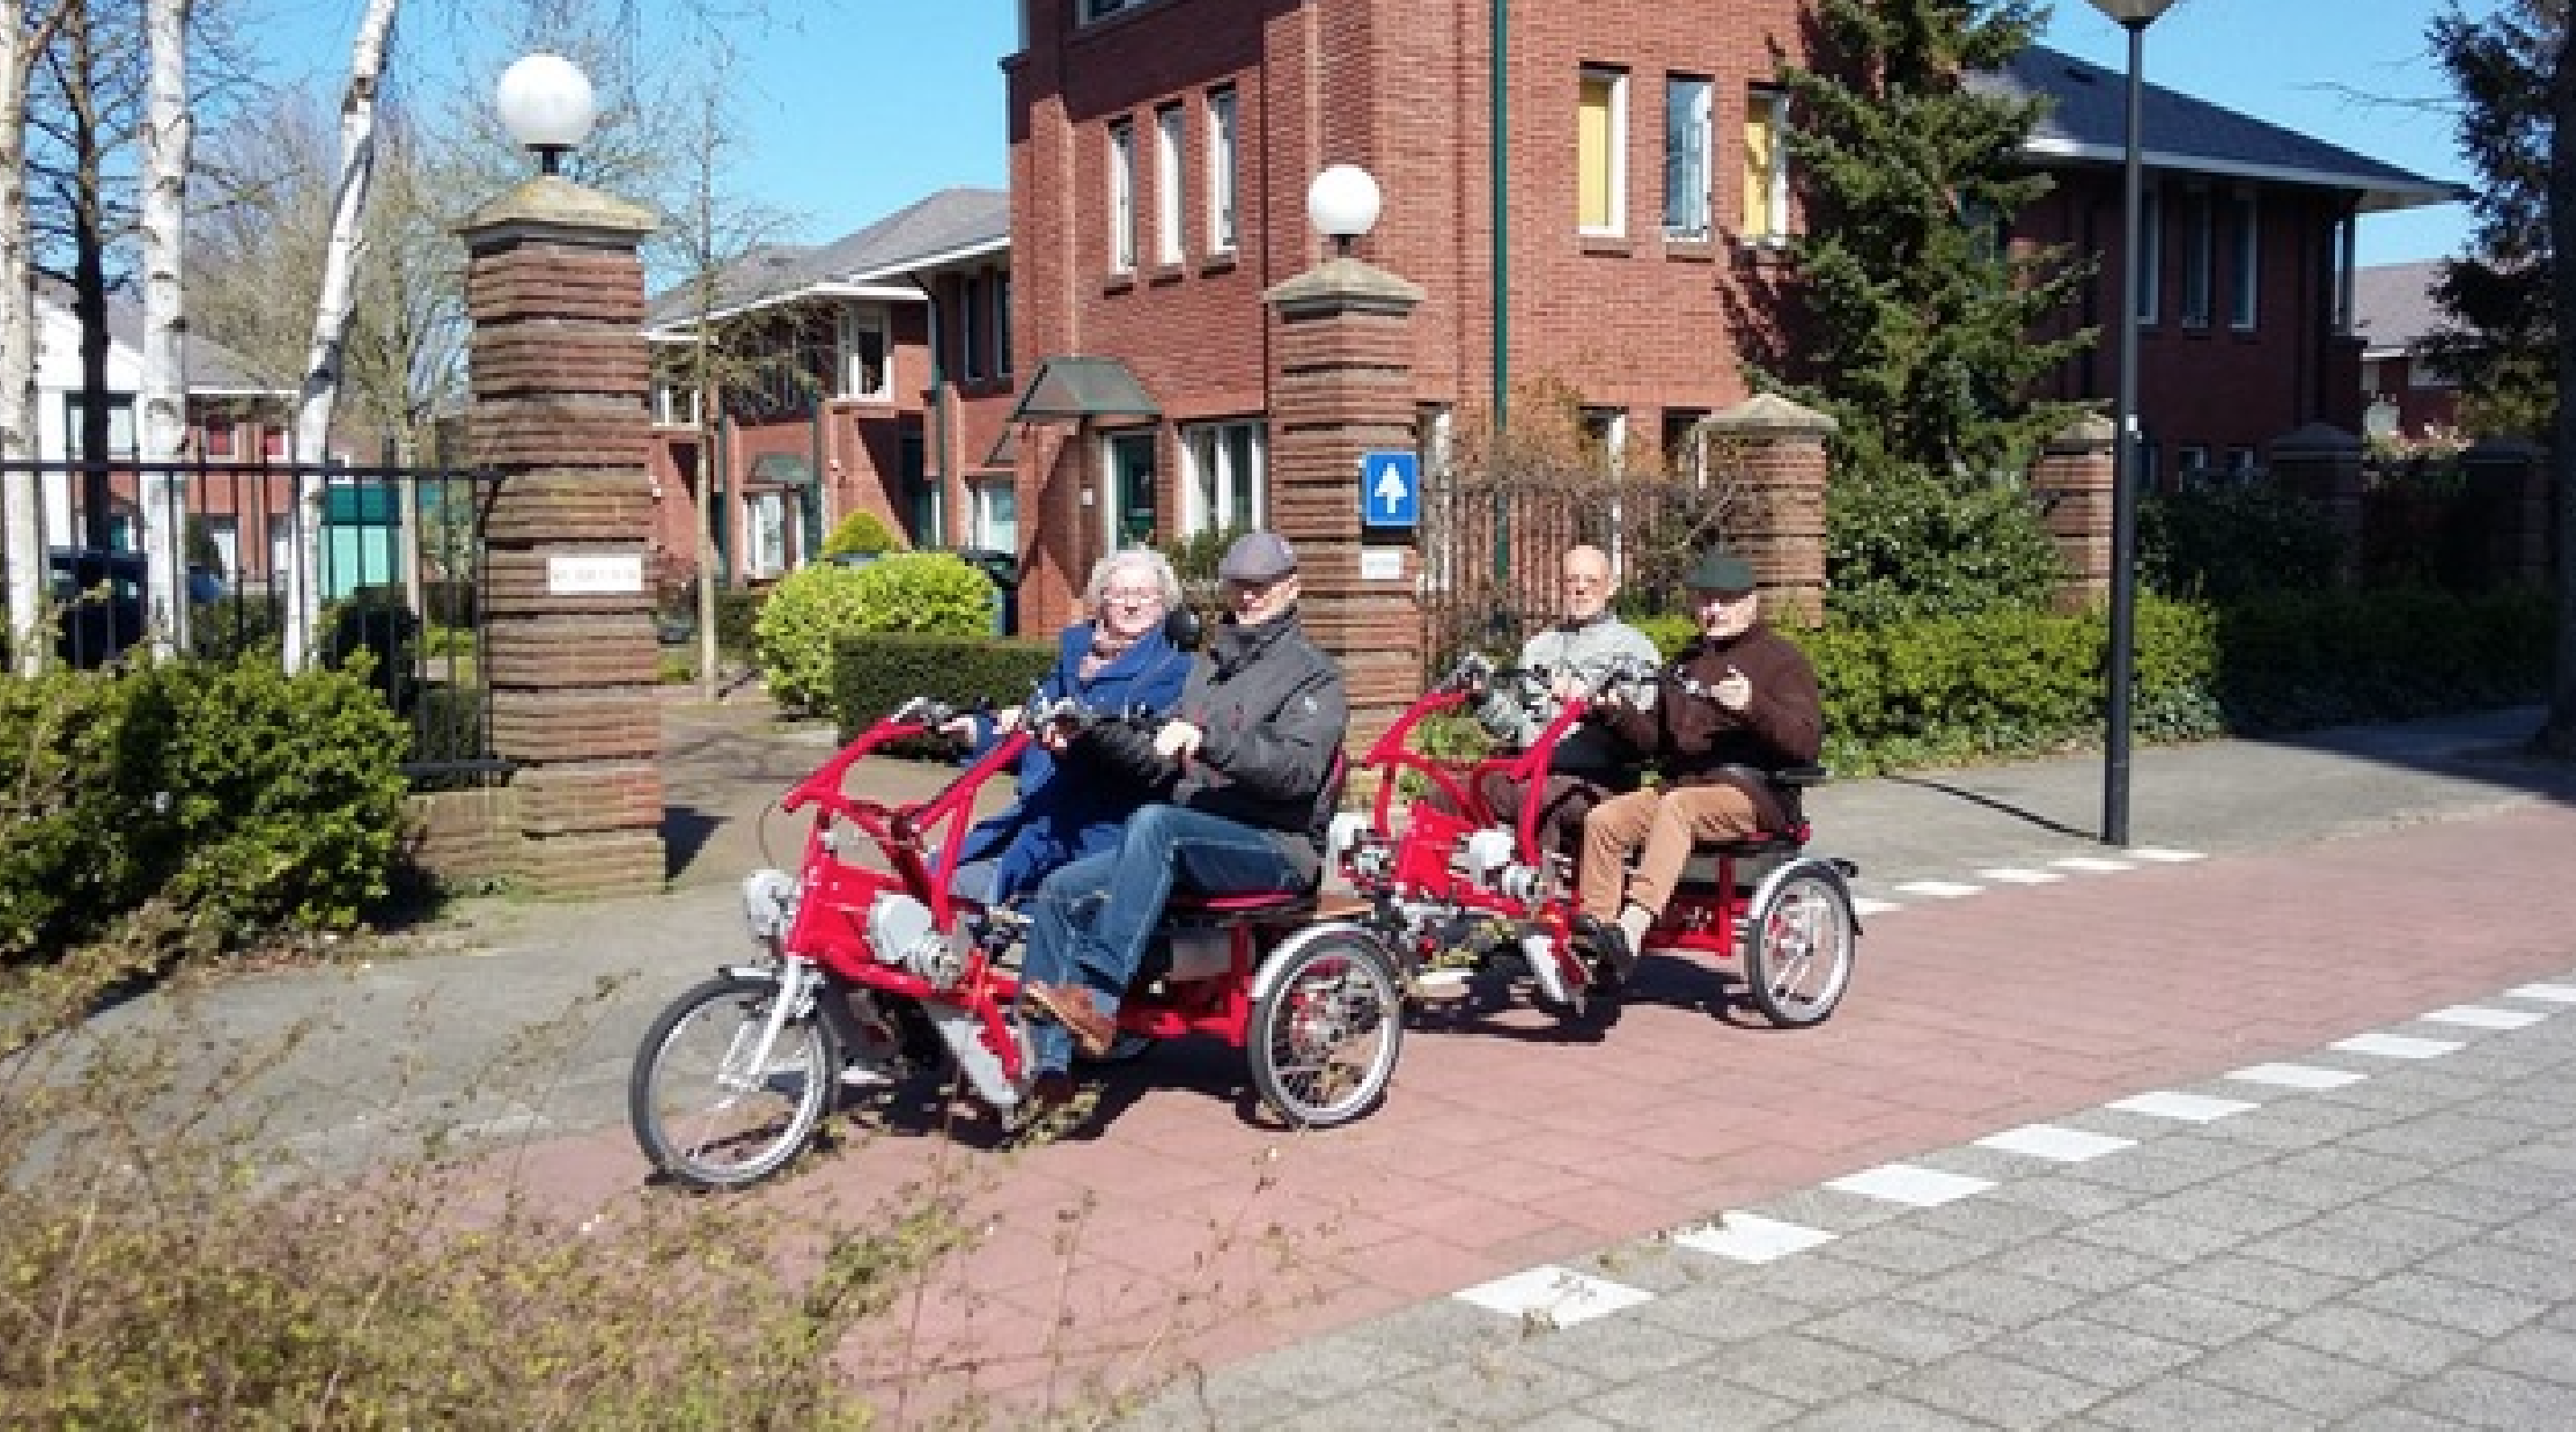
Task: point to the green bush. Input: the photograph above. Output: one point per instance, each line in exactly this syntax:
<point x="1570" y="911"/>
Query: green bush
<point x="737" y="621"/>
<point x="874" y="672"/>
<point x="380" y="623"/>
<point x="238" y="798"/>
<point x="233" y="626"/>
<point x="861" y="533"/>
<point x="2227" y="541"/>
<point x="1902" y="544"/>
<point x="931" y="592"/>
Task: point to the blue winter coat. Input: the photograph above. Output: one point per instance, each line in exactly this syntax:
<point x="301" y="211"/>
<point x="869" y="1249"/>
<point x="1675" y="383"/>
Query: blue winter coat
<point x="1072" y="806"/>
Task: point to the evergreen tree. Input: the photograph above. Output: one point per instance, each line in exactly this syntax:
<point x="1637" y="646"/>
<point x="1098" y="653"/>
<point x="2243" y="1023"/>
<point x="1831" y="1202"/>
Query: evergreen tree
<point x="2500" y="338"/>
<point x="1918" y="327"/>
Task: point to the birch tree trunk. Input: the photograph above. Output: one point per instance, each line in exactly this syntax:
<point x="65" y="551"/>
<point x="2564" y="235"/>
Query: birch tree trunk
<point x="22" y="39"/>
<point x="169" y="134"/>
<point x="331" y="308"/>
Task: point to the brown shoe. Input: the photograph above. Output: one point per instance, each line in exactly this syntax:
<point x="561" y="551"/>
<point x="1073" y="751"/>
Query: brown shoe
<point x="1049" y="1092"/>
<point x="1071" y="1006"/>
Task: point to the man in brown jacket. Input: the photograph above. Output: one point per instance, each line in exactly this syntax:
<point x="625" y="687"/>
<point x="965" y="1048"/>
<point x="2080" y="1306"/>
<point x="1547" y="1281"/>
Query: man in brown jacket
<point x="1739" y="701"/>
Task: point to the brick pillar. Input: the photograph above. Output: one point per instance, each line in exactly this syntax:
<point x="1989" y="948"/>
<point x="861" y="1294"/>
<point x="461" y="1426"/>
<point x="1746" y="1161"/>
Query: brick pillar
<point x="560" y="382"/>
<point x="2071" y="482"/>
<point x="1343" y="386"/>
<point x="2323" y="464"/>
<point x="1776" y="450"/>
<point x="2509" y="481"/>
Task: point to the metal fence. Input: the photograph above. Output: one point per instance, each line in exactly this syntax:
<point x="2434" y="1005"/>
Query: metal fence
<point x="298" y="564"/>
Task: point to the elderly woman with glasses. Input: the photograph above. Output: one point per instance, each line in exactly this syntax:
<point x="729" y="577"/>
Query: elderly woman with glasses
<point x="1071" y="804"/>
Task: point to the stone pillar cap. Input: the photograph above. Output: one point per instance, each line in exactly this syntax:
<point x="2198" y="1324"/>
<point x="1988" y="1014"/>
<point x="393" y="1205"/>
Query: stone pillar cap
<point x="550" y="203"/>
<point x="2089" y="429"/>
<point x="2316" y="440"/>
<point x="1770" y="412"/>
<point x="1345" y="280"/>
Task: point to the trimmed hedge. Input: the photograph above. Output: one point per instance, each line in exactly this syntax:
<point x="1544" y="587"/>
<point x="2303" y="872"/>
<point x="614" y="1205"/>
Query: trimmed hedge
<point x="874" y="672"/>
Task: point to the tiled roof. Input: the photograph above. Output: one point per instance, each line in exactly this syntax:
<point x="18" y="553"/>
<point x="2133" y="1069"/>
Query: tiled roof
<point x="910" y="238"/>
<point x="2392" y="305"/>
<point x="2089" y="122"/>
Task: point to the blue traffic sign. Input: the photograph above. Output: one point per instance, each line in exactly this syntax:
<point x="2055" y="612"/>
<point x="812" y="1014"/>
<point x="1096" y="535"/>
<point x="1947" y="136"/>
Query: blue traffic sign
<point x="1390" y="489"/>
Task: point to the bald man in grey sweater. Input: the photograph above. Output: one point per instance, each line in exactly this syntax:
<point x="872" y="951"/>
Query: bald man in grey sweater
<point x="1590" y="764"/>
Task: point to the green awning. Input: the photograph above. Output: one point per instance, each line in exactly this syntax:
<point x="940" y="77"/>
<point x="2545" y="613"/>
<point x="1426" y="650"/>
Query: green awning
<point x="1072" y="388"/>
<point x="782" y="469"/>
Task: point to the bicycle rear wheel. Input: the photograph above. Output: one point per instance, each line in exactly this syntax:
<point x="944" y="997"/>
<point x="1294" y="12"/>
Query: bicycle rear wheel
<point x="710" y="1106"/>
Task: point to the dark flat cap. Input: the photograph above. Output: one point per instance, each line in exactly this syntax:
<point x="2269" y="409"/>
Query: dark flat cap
<point x="1720" y="571"/>
<point x="1258" y="557"/>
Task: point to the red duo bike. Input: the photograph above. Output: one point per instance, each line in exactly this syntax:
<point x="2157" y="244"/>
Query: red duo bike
<point x="1455" y="891"/>
<point x="868" y="963"/>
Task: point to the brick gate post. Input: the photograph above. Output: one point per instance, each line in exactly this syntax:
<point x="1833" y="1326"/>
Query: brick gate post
<point x="2323" y="464"/>
<point x="1778" y="447"/>
<point x="2510" y="480"/>
<point x="560" y="381"/>
<point x="2071" y="482"/>
<point x="1342" y="387"/>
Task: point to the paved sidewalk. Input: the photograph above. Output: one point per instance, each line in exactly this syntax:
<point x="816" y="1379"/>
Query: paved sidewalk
<point x="2294" y="1263"/>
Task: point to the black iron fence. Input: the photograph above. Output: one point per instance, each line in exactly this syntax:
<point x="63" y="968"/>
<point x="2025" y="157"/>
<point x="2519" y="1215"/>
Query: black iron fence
<point x="335" y="565"/>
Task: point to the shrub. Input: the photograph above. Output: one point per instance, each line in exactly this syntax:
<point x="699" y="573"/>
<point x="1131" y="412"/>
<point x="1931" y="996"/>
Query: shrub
<point x="874" y="672"/>
<point x="861" y="533"/>
<point x="915" y="592"/>
<point x="2227" y="541"/>
<point x="1902" y="543"/>
<point x="380" y="623"/>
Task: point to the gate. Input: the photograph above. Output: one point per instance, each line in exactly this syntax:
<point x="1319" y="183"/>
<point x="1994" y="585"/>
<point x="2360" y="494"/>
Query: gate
<point x="1492" y="539"/>
<point x="395" y="557"/>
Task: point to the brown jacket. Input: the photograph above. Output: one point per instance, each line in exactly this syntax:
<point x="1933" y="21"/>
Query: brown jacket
<point x="1691" y="739"/>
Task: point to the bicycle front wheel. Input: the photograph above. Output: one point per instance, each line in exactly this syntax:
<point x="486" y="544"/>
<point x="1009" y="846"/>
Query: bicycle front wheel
<point x="715" y="1100"/>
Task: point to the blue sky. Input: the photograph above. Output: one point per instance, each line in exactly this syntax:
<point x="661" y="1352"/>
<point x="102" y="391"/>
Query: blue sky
<point x="853" y="108"/>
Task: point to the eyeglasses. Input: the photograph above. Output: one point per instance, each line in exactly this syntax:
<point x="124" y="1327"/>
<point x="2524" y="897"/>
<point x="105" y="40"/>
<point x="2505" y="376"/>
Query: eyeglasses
<point x="1133" y="596"/>
<point x="1583" y="581"/>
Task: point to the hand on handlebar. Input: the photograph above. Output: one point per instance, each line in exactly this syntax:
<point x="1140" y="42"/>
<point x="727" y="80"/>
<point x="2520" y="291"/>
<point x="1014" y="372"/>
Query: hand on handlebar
<point x="1178" y="741"/>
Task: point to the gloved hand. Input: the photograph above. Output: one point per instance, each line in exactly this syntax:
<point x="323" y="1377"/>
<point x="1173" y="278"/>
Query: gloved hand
<point x="1178" y="741"/>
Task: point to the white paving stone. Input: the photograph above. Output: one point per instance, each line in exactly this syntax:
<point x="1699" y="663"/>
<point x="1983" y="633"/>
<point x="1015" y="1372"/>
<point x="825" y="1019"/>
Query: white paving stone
<point x="2296" y="1076"/>
<point x="2544" y="993"/>
<point x="2059" y="1145"/>
<point x="1751" y="1238"/>
<point x="2478" y="1016"/>
<point x="1863" y="905"/>
<point x="2093" y="864"/>
<point x="2396" y="1046"/>
<point x="1557" y="1296"/>
<point x="1938" y="889"/>
<point x="2163" y="856"/>
<point x="2190" y="1108"/>
<point x="2009" y="875"/>
<point x="1913" y="1186"/>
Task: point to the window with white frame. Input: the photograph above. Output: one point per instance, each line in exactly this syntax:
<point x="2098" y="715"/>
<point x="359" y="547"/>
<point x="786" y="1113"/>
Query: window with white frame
<point x="1686" y="444"/>
<point x="765" y="550"/>
<point x="1687" y="145"/>
<point x="2199" y="258"/>
<point x="1122" y="196"/>
<point x="1167" y="184"/>
<point x="2151" y="256"/>
<point x="1093" y="10"/>
<point x="1607" y="429"/>
<point x="1221" y="170"/>
<point x="1127" y="461"/>
<point x="1226" y="474"/>
<point x="1766" y="166"/>
<point x="994" y="516"/>
<point x="1600" y="149"/>
<point x="675" y="403"/>
<point x="970" y="328"/>
<point x="867" y="367"/>
<point x="2245" y="289"/>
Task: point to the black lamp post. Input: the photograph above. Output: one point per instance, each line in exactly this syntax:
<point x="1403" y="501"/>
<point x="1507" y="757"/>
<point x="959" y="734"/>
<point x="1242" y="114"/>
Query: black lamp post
<point x="2134" y="16"/>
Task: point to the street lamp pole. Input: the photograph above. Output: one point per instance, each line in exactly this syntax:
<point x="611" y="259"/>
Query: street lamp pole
<point x="2134" y="16"/>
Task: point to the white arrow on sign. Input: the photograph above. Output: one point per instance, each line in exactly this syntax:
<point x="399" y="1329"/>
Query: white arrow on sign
<point x="1389" y="489"/>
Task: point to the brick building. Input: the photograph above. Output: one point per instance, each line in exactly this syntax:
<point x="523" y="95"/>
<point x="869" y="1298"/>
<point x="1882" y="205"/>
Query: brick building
<point x="2405" y="394"/>
<point x="1161" y="149"/>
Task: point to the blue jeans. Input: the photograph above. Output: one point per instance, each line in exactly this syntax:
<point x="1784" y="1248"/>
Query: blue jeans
<point x="1091" y="921"/>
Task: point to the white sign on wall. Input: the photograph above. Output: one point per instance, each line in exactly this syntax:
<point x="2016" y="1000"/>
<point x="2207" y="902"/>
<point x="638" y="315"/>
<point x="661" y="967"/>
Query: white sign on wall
<point x="1381" y="564"/>
<point x="617" y="575"/>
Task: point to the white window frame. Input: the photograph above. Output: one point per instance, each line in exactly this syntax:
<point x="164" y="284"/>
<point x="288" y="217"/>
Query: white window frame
<point x="856" y="324"/>
<point x="1690" y="143"/>
<point x="677" y="405"/>
<point x="1212" y="490"/>
<point x="764" y="532"/>
<point x="1122" y="196"/>
<point x="1614" y="163"/>
<point x="1110" y="506"/>
<point x="1222" y="109"/>
<point x="1000" y="288"/>
<point x="1776" y="103"/>
<point x="1095" y="11"/>
<point x="2199" y="258"/>
<point x="2150" y="297"/>
<point x="970" y="328"/>
<point x="2245" y="289"/>
<point x="1167" y="184"/>
<point x="988" y="528"/>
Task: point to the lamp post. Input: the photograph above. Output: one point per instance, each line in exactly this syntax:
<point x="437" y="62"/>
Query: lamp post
<point x="546" y="104"/>
<point x="2133" y="16"/>
<point x="1342" y="204"/>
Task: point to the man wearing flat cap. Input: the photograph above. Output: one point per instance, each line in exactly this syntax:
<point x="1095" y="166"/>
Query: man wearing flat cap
<point x="1244" y="776"/>
<point x="1738" y="702"/>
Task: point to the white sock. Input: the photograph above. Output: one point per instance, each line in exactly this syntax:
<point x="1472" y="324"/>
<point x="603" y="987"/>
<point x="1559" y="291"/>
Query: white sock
<point x="1635" y="920"/>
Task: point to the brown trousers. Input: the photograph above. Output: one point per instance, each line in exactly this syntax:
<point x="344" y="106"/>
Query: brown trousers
<point x="1665" y="823"/>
